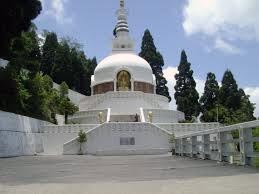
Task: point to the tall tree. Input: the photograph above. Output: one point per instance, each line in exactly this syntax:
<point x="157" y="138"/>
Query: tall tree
<point x="209" y="99"/>
<point x="72" y="66"/>
<point x="246" y="111"/>
<point x="229" y="95"/>
<point x="15" y="17"/>
<point x="156" y="61"/>
<point x="49" y="52"/>
<point x="63" y="69"/>
<point x="25" y="52"/>
<point x="186" y="95"/>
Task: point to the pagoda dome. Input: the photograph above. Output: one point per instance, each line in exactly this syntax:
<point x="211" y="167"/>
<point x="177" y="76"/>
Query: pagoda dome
<point x="138" y="68"/>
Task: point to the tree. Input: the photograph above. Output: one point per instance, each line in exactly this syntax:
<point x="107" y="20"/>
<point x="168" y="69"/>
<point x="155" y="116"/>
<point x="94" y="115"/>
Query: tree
<point x="229" y="95"/>
<point x="156" y="61"/>
<point x="82" y="138"/>
<point x="186" y="95"/>
<point x="62" y="70"/>
<point x="65" y="106"/>
<point x="49" y="52"/>
<point x="246" y="111"/>
<point x="72" y="66"/>
<point x="209" y="99"/>
<point x="38" y="100"/>
<point x="25" y="52"/>
<point x="13" y="94"/>
<point x="15" y="17"/>
<point x="234" y="105"/>
<point x="23" y="66"/>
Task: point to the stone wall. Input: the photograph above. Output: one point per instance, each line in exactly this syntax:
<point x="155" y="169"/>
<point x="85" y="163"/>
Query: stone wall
<point x="19" y="135"/>
<point x="108" y="138"/>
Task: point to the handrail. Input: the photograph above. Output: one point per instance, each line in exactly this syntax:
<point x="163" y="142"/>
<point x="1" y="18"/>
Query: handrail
<point x="224" y="147"/>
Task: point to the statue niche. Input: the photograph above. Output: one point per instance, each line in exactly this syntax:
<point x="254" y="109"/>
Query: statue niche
<point x="123" y="81"/>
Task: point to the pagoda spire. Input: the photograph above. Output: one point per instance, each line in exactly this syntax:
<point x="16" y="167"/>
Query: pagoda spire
<point x="122" y="24"/>
<point x="122" y="3"/>
<point x="122" y="41"/>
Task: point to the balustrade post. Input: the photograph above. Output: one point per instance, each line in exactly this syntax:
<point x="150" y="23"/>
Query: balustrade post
<point x="205" y="149"/>
<point x="219" y="146"/>
<point x="246" y="146"/>
<point x="193" y="146"/>
<point x="177" y="146"/>
<point x="185" y="146"/>
<point x="181" y="147"/>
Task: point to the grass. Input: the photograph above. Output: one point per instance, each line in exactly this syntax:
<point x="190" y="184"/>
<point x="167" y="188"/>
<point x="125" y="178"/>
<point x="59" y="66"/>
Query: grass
<point x="256" y="162"/>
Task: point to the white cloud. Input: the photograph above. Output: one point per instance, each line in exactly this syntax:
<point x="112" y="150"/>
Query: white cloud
<point x="56" y="9"/>
<point x="170" y="72"/>
<point x="226" y="47"/>
<point x="228" y="20"/>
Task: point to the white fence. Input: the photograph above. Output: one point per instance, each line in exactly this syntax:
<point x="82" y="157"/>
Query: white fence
<point x="219" y="144"/>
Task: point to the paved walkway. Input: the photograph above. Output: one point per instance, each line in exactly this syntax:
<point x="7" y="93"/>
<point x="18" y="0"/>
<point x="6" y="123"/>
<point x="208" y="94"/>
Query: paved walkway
<point x="123" y="175"/>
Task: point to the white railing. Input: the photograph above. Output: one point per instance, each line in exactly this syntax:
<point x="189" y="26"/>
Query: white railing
<point x="219" y="144"/>
<point x="67" y="128"/>
<point x="142" y="116"/>
<point x="108" y="115"/>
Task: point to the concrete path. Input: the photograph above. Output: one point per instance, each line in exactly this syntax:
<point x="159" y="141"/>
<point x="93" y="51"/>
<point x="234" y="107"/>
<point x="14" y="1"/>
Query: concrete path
<point x="123" y="175"/>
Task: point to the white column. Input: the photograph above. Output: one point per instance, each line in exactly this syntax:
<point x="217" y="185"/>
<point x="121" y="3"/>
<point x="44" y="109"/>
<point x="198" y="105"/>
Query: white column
<point x="115" y="85"/>
<point x="132" y="84"/>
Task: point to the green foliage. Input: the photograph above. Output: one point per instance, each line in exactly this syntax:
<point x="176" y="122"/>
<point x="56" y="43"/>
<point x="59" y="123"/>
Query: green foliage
<point x="82" y="137"/>
<point x="256" y="162"/>
<point x="63" y="89"/>
<point x="186" y="95"/>
<point x="65" y="106"/>
<point x="229" y="95"/>
<point x="172" y="138"/>
<point x="25" y="52"/>
<point x="156" y="61"/>
<point x="15" y="17"/>
<point x="33" y="92"/>
<point x="256" y="144"/>
<point x="230" y="104"/>
<point x="72" y="67"/>
<point x="209" y="99"/>
<point x="49" y="50"/>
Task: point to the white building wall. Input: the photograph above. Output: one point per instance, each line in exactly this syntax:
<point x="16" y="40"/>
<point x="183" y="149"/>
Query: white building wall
<point x="105" y="140"/>
<point x="124" y="102"/>
<point x="19" y="135"/>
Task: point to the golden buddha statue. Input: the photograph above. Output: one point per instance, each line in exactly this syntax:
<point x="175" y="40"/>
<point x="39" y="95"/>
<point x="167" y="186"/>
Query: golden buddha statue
<point x="123" y="81"/>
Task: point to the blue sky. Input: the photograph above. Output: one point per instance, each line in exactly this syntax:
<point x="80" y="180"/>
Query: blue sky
<point x="216" y="34"/>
